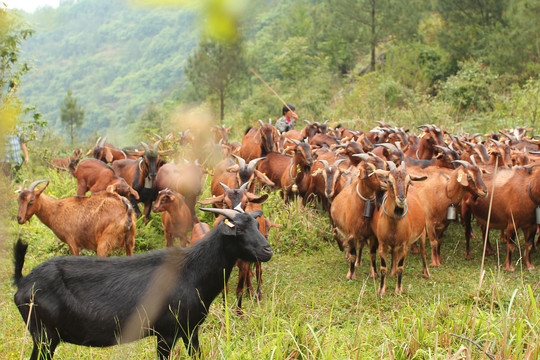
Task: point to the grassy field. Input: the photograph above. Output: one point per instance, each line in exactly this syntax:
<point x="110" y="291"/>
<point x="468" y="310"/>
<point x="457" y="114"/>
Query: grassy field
<point x="309" y="310"/>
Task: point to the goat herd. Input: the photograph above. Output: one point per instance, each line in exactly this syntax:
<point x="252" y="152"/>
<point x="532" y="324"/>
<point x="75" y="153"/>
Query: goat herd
<point x="363" y="180"/>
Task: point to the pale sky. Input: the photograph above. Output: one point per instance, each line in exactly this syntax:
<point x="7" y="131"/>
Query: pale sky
<point x="29" y="5"/>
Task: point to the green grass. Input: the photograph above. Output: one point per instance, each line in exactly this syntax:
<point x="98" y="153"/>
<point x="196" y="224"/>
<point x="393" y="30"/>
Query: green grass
<point x="309" y="310"/>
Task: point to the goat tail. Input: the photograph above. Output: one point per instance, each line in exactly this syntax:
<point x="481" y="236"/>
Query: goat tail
<point x="19" y="252"/>
<point x="129" y="214"/>
<point x="73" y="166"/>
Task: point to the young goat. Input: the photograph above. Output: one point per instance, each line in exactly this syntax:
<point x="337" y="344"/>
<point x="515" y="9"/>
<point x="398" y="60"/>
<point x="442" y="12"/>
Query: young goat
<point x="100" y="222"/>
<point x="167" y="293"/>
<point x="398" y="222"/>
<point x="175" y="216"/>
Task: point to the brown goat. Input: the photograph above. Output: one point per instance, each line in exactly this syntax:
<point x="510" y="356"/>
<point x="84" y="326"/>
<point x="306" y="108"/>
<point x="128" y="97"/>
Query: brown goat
<point x="442" y="189"/>
<point x="95" y="176"/>
<point x="107" y="152"/>
<point x="297" y="174"/>
<point x="185" y="179"/>
<point x="175" y="216"/>
<point x="63" y="163"/>
<point x="259" y="142"/>
<point x="398" y="222"/>
<point x="234" y="175"/>
<point x="101" y="222"/>
<point x="200" y="229"/>
<point x="348" y="216"/>
<point x="516" y="194"/>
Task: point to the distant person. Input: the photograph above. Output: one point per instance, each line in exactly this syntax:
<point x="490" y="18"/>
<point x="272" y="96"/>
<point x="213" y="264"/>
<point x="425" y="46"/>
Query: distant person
<point x="12" y="157"/>
<point x="288" y="120"/>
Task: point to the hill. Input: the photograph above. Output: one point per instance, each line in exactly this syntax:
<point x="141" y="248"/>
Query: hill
<point x="116" y="58"/>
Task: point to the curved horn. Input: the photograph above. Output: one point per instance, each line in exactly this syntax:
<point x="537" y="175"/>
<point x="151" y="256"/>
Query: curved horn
<point x="461" y="162"/>
<point x="156" y="144"/>
<point x="391" y="165"/>
<point x="97" y="142"/>
<point x="225" y="212"/>
<point x="145" y="146"/>
<point x="307" y="122"/>
<point x="261" y="122"/>
<point x="389" y="146"/>
<point x="156" y="135"/>
<point x="295" y="141"/>
<point x="325" y="163"/>
<point x="254" y="162"/>
<point x="22" y="188"/>
<point x="225" y="187"/>
<point x="498" y="143"/>
<point x="337" y="162"/>
<point x="511" y="137"/>
<point x="244" y="186"/>
<point x="36" y="183"/>
<point x="364" y="157"/>
<point x="102" y="143"/>
<point x="241" y="161"/>
<point x="473" y="161"/>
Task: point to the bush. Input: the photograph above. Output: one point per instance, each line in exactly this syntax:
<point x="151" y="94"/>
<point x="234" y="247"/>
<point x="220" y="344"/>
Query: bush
<point x="471" y="89"/>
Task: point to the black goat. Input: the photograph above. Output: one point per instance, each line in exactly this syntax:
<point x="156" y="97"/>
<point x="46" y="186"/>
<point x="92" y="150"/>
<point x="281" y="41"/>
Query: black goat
<point x="166" y="293"/>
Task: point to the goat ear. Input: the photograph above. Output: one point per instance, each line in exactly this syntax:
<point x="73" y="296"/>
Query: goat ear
<point x="108" y="155"/>
<point x="228" y="227"/>
<point x="214" y="200"/>
<point x="462" y="178"/>
<point x="257" y="199"/>
<point x="418" y="178"/>
<point x="264" y="178"/>
<point x="134" y="193"/>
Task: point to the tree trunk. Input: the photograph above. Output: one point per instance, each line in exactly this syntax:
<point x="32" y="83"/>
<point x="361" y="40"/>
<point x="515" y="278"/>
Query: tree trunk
<point x="221" y="106"/>
<point x="373" y="35"/>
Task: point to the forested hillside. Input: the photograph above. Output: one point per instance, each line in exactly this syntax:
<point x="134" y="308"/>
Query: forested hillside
<point x="115" y="58"/>
<point x="465" y="65"/>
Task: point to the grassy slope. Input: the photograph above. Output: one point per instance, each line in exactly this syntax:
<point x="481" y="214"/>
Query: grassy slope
<point x="309" y="310"/>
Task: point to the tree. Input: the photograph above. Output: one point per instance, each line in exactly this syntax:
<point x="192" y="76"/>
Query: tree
<point x="214" y="67"/>
<point x="71" y="115"/>
<point x="13" y="30"/>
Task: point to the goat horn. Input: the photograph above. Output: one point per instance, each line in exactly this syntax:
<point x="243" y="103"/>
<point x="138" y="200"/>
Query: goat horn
<point x="337" y="162"/>
<point x="22" y="188"/>
<point x="225" y="212"/>
<point x="461" y="162"/>
<point x="156" y="144"/>
<point x="307" y="122"/>
<point x="270" y="121"/>
<point x="244" y="186"/>
<point x="391" y="165"/>
<point x="403" y="165"/>
<point x="325" y="163"/>
<point x="97" y="142"/>
<point x="36" y="183"/>
<point x="389" y="146"/>
<point x="145" y="146"/>
<point x="156" y="135"/>
<point x="254" y="162"/>
<point x="495" y="141"/>
<point x="261" y="122"/>
<point x="241" y="161"/>
<point x="364" y="157"/>
<point x="473" y="161"/>
<point x="102" y="143"/>
<point x="294" y="141"/>
<point x="225" y="187"/>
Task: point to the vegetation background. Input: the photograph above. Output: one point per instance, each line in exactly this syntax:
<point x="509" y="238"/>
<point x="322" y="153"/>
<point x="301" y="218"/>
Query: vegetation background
<point x="141" y="67"/>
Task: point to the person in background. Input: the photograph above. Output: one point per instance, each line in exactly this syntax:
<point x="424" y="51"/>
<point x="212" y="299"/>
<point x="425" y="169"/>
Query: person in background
<point x="288" y="120"/>
<point x="14" y="154"/>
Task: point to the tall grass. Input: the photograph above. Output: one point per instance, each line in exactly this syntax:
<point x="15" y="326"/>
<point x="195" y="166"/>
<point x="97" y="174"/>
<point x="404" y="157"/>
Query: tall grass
<point x="309" y="310"/>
